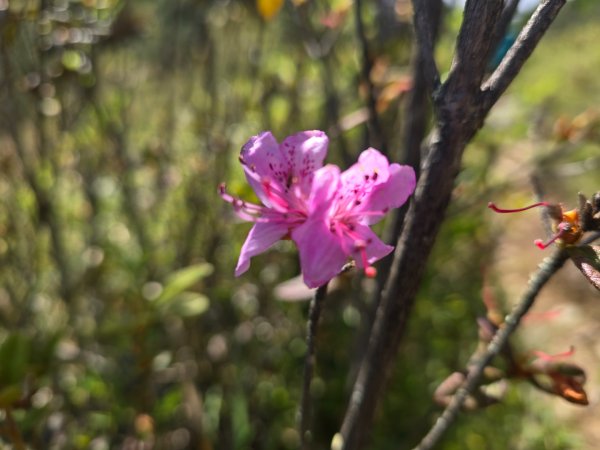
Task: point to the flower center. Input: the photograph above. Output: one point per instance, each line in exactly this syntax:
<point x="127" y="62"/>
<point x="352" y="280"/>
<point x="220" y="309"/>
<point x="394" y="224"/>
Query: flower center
<point x="568" y="230"/>
<point x="344" y="229"/>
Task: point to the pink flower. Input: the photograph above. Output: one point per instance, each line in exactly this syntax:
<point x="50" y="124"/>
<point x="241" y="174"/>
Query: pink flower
<point x="282" y="177"/>
<point x="343" y="205"/>
<point x="326" y="213"/>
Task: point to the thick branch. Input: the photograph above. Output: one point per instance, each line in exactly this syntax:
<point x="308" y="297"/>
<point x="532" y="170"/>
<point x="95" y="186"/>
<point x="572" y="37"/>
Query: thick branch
<point x="422" y="225"/>
<point x="459" y="115"/>
<point x="548" y="267"/>
<point x="474" y="44"/>
<point x="523" y="47"/>
<point x="417" y="114"/>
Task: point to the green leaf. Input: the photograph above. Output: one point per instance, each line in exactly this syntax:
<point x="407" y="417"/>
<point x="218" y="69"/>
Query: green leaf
<point x="243" y="431"/>
<point x="183" y="279"/>
<point x="14" y="353"/>
<point x="587" y="259"/>
<point x="187" y="304"/>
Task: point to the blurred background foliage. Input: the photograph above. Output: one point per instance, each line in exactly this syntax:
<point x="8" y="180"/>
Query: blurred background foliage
<point x="121" y="324"/>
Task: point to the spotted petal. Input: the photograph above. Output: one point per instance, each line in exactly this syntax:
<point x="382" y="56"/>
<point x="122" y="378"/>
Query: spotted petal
<point x="261" y="158"/>
<point x="372" y="168"/>
<point x="391" y="194"/>
<point x="304" y="152"/>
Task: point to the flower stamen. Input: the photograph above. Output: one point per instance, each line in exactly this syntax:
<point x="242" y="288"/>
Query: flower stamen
<point x="244" y="210"/>
<point x="563" y="228"/>
<point x="361" y="246"/>
<point x="493" y="207"/>
<point x="546" y="357"/>
<point x="274" y="194"/>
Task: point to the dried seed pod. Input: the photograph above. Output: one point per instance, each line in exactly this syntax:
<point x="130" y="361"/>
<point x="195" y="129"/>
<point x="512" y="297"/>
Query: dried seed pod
<point x="589" y="212"/>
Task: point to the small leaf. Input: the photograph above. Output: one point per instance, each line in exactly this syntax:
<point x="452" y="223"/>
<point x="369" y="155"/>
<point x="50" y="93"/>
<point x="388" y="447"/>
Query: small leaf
<point x="183" y="279"/>
<point x="268" y="9"/>
<point x="587" y="259"/>
<point x="188" y="304"/>
<point x="15" y="353"/>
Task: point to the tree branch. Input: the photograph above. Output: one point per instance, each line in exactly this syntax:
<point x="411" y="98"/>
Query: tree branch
<point x="459" y="115"/>
<point x="474" y="45"/>
<point x="508" y="13"/>
<point x="376" y="138"/>
<point x="415" y="126"/>
<point x="520" y="51"/>
<point x="424" y="34"/>
<point x="547" y="268"/>
<point x="309" y="363"/>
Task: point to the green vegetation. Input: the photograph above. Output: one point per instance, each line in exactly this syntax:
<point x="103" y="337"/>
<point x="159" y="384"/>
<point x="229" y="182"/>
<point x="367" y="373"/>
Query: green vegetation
<point x="120" y="319"/>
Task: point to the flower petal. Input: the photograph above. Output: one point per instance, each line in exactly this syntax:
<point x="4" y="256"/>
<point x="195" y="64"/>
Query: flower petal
<point x="321" y="254"/>
<point x="391" y="194"/>
<point x="372" y="167"/>
<point x="305" y="152"/>
<point x="262" y="158"/>
<point x="375" y="247"/>
<point x="262" y="236"/>
<point x="325" y="186"/>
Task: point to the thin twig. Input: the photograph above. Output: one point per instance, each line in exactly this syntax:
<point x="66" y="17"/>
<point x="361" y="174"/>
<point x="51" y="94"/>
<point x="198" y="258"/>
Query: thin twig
<point x="508" y="13"/>
<point x="520" y="51"/>
<point x="547" y="269"/>
<point x="376" y="137"/>
<point x="591" y="238"/>
<point x="424" y="34"/>
<point x="309" y="364"/>
<point x="332" y="108"/>
<point x="322" y="50"/>
<point x="418" y="110"/>
<point x="539" y="193"/>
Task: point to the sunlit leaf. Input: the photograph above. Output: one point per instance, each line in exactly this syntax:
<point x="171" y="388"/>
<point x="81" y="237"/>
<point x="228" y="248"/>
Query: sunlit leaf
<point x="188" y="304"/>
<point x="183" y="279"/>
<point x="268" y="9"/>
<point x="587" y="259"/>
<point x="241" y="420"/>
